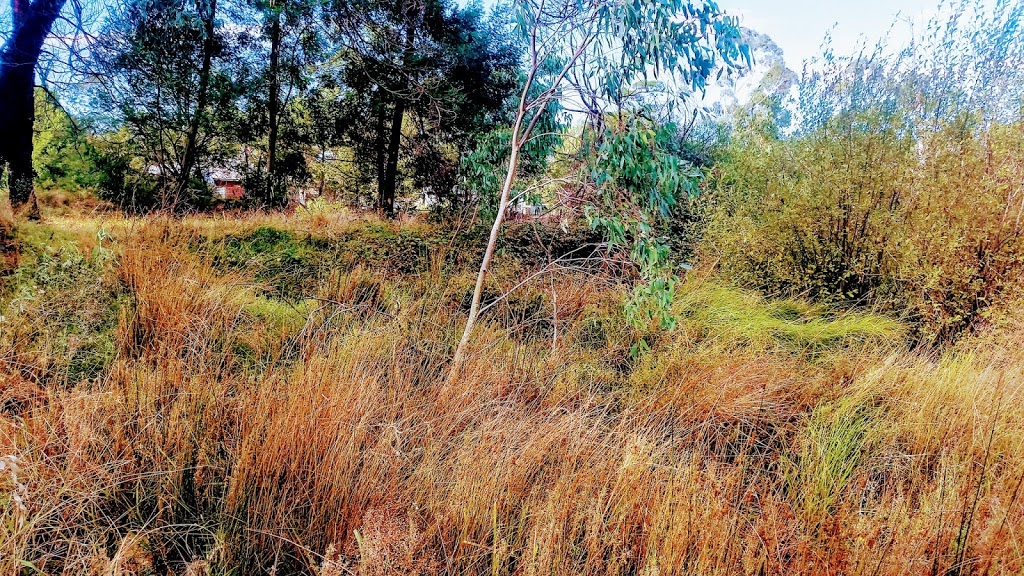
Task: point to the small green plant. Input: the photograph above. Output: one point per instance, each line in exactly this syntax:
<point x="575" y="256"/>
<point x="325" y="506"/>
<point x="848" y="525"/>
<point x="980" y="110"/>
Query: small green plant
<point x="832" y="446"/>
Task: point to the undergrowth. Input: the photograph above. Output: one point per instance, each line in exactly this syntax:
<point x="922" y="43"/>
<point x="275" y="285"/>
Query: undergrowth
<point x="204" y="397"/>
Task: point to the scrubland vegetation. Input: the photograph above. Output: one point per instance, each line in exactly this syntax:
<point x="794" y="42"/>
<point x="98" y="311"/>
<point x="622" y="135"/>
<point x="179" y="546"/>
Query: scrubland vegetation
<point x="782" y="337"/>
<point x="216" y="395"/>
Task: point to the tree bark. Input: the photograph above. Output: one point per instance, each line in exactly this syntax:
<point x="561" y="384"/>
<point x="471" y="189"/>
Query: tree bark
<point x="273" y="104"/>
<point x="189" y="159"/>
<point x="380" y="159"/>
<point x="389" y="184"/>
<point x="18" y="58"/>
<point x="386" y="201"/>
<point x="485" y="264"/>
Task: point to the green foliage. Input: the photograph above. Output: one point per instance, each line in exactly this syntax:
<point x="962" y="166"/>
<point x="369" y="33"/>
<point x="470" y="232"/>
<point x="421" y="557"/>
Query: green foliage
<point x="62" y="155"/>
<point x="276" y="97"/>
<point x="314" y="119"/>
<point x="152" y="55"/>
<point x="121" y="177"/>
<point x="632" y="165"/>
<point x="638" y="180"/>
<point x="482" y="169"/>
<point x="860" y="213"/>
<point x="420" y="82"/>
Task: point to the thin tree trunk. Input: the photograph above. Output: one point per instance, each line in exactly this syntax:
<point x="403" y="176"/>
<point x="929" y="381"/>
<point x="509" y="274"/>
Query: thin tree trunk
<point x="189" y="160"/>
<point x="386" y="201"/>
<point x="18" y="58"/>
<point x="474" y="308"/>
<point x="323" y="170"/>
<point x="520" y="135"/>
<point x="380" y="160"/>
<point x="273" y="105"/>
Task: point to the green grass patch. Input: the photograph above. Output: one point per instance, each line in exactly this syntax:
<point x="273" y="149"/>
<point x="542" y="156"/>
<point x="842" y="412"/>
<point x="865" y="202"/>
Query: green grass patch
<point x="280" y="314"/>
<point x="291" y="264"/>
<point x="274" y="257"/>
<point x="60" y="310"/>
<point x="711" y="311"/>
<point x="831" y="447"/>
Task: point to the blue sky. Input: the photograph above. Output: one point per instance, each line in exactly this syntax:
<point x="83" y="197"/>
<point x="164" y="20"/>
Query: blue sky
<point x="799" y="26"/>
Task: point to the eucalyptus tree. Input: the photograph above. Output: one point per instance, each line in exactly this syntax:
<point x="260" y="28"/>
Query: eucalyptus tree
<point x="593" y="55"/>
<point x="292" y="43"/>
<point x="168" y="72"/>
<point x="429" y="65"/>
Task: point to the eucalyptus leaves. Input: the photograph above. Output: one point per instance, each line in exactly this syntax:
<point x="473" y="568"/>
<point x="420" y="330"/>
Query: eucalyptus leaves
<point x="598" y="58"/>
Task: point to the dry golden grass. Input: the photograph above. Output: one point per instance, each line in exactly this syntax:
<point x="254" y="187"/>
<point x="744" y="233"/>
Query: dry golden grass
<point x="233" y="432"/>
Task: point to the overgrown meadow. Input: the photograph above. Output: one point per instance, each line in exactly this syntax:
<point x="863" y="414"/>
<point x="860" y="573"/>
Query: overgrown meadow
<point x="786" y="339"/>
<point x="271" y="394"/>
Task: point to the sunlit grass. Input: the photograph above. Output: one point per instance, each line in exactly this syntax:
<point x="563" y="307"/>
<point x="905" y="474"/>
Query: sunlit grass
<point x="730" y="314"/>
<point x="233" y="428"/>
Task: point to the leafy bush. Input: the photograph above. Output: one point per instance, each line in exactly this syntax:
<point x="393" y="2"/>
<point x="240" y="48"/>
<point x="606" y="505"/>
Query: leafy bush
<point x="899" y="189"/>
<point x="928" y="228"/>
<point x="812" y="215"/>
